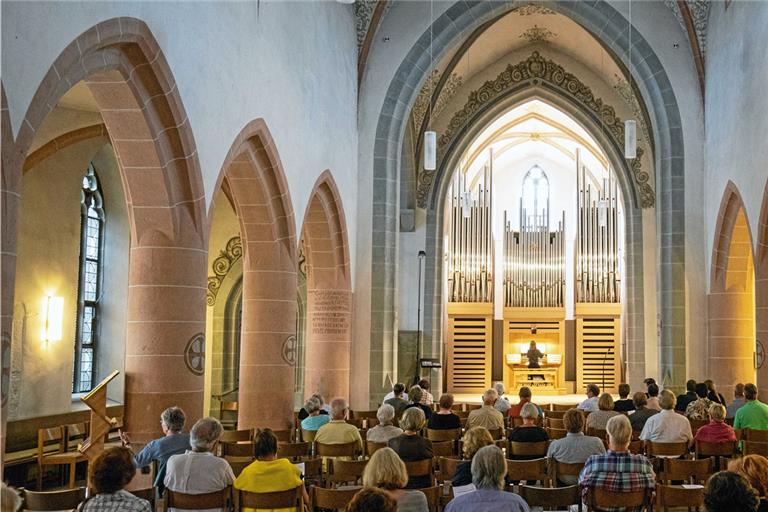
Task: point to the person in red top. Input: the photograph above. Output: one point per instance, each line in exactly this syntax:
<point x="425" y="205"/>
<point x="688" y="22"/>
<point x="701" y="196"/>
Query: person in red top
<point x="525" y="397"/>
<point x="716" y="431"/>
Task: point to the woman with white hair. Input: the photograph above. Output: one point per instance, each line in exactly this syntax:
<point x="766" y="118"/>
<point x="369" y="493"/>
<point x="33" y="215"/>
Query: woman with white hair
<point x="488" y="470"/>
<point x="315" y="418"/>
<point x="385" y="430"/>
<point x="502" y="404"/>
<point x="528" y="432"/>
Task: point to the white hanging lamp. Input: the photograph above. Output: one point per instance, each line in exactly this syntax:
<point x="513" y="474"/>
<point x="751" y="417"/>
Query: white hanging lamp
<point x="630" y="125"/>
<point x="430" y="136"/>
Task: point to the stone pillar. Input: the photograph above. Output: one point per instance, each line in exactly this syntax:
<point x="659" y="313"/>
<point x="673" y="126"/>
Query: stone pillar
<point x="328" y="342"/>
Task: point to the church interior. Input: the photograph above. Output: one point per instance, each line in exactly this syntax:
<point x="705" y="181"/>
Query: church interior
<point x="266" y="200"/>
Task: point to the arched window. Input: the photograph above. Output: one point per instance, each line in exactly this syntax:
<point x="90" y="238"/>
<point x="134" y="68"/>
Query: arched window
<point x="536" y="197"/>
<point x="89" y="291"/>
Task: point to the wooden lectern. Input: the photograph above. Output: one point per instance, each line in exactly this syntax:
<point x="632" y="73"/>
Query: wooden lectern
<point x="100" y="423"/>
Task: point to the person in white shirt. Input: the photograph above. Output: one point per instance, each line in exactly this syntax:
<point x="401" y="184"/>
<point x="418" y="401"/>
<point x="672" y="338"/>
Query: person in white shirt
<point x="590" y="404"/>
<point x="667" y="426"/>
<point x="199" y="471"/>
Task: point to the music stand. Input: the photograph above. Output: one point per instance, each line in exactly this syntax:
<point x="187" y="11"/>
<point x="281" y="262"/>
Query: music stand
<point x="100" y="422"/>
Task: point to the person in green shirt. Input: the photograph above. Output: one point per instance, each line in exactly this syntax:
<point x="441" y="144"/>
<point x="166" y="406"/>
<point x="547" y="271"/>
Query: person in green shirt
<point x="754" y="413"/>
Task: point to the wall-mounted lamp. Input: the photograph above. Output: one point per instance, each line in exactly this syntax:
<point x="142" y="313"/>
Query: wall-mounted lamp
<point x="53" y="310"/>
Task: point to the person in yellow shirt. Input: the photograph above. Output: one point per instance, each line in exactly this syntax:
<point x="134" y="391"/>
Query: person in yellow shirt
<point x="338" y="431"/>
<point x="268" y="473"/>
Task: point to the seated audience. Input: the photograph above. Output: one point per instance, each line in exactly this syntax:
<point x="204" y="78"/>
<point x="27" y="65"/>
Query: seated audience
<point x="414" y="395"/>
<point x="642" y="413"/>
<point x="653" y="397"/>
<point x="444" y="418"/>
<point x="502" y="404"/>
<point x="173" y="442"/>
<point x="199" y="471"/>
<point x="385" y="430"/>
<point x="10" y="500"/>
<point x="338" y="431"/>
<point x="371" y="499"/>
<point x="667" y="426"/>
<point x="397" y="401"/>
<point x="487" y="416"/>
<point x="727" y="491"/>
<point x="590" y="404"/>
<point x="303" y="412"/>
<point x="410" y="446"/>
<point x="386" y="471"/>
<point x="426" y="396"/>
<point x="488" y="471"/>
<point x="717" y="431"/>
<point x="108" y="473"/>
<point x="699" y="408"/>
<point x="738" y="401"/>
<point x="689" y="396"/>
<point x="624" y="404"/>
<point x="599" y="418"/>
<point x="753" y="414"/>
<point x="315" y="418"/>
<point x="525" y="397"/>
<point x="529" y="432"/>
<point x="755" y="469"/>
<point x="268" y="473"/>
<point x="713" y="394"/>
<point x="474" y="439"/>
<point x="617" y="470"/>
<point x="575" y="447"/>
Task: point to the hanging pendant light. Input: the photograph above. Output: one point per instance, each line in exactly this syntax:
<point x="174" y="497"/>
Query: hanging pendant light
<point x="430" y="150"/>
<point x="630" y="139"/>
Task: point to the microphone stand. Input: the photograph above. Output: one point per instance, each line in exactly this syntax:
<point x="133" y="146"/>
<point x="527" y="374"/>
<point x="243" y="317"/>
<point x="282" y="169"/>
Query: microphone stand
<point x="604" y="358"/>
<point x="422" y="255"/>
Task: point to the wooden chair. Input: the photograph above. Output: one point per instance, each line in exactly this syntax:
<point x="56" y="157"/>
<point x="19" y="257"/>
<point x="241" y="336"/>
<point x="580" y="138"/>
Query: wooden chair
<point x="534" y="470"/>
<point x="332" y="499"/>
<point x="462" y="414"/>
<point x="420" y="468"/>
<point x="228" y="414"/>
<point x="558" y="469"/>
<point x="558" y="498"/>
<point x="716" y="451"/>
<point x="447" y="466"/>
<point x="601" y="499"/>
<point x="358" y="422"/>
<point x="545" y="407"/>
<point x="471" y="407"/>
<point x="563" y="407"/>
<point x="739" y="433"/>
<point x="292" y="498"/>
<point x="350" y="449"/>
<point x="291" y="450"/>
<point x="528" y="449"/>
<point x="284" y="436"/>
<point x="76" y="433"/>
<point x="696" y="425"/>
<point x="238" y="464"/>
<point x="237" y="449"/>
<point x="313" y="470"/>
<point x="497" y="433"/>
<point x="555" y="414"/>
<point x="443" y="448"/>
<point x="555" y="422"/>
<point x="364" y="414"/>
<point x="56" y="436"/>
<point x="556" y="433"/>
<point x="346" y="471"/>
<point x="760" y="436"/>
<point x="53" y="500"/>
<point x="636" y="447"/>
<point x="217" y="499"/>
<point x="443" y="435"/>
<point x="308" y="436"/>
<point x="755" y="448"/>
<point x="653" y="449"/>
<point x="433" y="496"/>
<point x="371" y="447"/>
<point x="597" y="432"/>
<point x="677" y="496"/>
<point x="690" y="471"/>
<point x="235" y="436"/>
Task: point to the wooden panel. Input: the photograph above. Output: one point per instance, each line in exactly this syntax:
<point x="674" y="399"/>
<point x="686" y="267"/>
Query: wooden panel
<point x="469" y="354"/>
<point x="597" y="352"/>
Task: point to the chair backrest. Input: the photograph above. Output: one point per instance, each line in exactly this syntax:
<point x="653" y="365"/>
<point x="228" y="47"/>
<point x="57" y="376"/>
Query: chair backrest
<point x="217" y="499"/>
<point x="247" y="449"/>
<point x="698" y="470"/>
<point x="556" y="414"/>
<point x="364" y="414"/>
<point x="725" y="449"/>
<point x="53" y="500"/>
<point x="447" y="467"/>
<point x="49" y="436"/>
<point x="563" y="468"/>
<point x="751" y="434"/>
<point x="337" y="450"/>
<point x="556" y="433"/>
<point x="636" y="447"/>
<point x="666" y="449"/>
<point x="313" y="469"/>
<point x="597" y="432"/>
<point x="557" y="498"/>
<point x="755" y="448"/>
<point x="433" y="496"/>
<point x="371" y="447"/>
<point x="292" y="498"/>
<point x="443" y="448"/>
<point x="563" y="407"/>
<point x="235" y="436"/>
<point x="677" y="496"/>
<point x="419" y="468"/>
<point x="599" y="498"/>
<point x="472" y="407"/>
<point x="227" y="406"/>
<point x="555" y="422"/>
<point x="534" y="470"/>
<point x="528" y="449"/>
<point x="443" y="435"/>
<point x="358" y="422"/>
<point x="331" y="498"/>
<point x="289" y="450"/>
<point x="308" y="436"/>
<point x="344" y="471"/>
<point x="497" y="433"/>
<point x="462" y="414"/>
<point x="75" y="433"/>
<point x="238" y="464"/>
<point x="284" y="436"/>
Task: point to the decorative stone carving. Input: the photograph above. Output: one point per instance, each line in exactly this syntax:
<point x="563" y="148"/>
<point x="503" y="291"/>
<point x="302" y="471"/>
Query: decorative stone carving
<point x="194" y="354"/>
<point x="537" y="34"/>
<point x="535" y="71"/>
<point x="623" y="89"/>
<point x="221" y="267"/>
<point x="699" y="10"/>
<point x="363" y="14"/>
<point x="289" y="350"/>
<point x="531" y="9"/>
<point x="421" y="106"/>
<point x="302" y="260"/>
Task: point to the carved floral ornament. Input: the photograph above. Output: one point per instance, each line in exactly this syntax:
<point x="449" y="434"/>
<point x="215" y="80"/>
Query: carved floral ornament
<point x="221" y="267"/>
<point x="536" y="71"/>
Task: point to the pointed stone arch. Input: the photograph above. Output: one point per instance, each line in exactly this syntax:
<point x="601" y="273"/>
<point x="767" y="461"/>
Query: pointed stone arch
<point x="254" y="176"/>
<point x="329" y="292"/>
<point x="125" y="69"/>
<point x="761" y="288"/>
<point x="732" y="296"/>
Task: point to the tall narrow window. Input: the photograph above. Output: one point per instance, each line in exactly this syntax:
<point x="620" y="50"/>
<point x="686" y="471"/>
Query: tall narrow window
<point x="536" y="197"/>
<point x="89" y="292"/>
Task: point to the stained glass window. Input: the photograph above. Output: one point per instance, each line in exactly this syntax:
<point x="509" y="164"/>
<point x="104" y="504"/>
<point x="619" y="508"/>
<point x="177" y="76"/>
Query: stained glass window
<point x="91" y="255"/>
<point x="536" y="197"/>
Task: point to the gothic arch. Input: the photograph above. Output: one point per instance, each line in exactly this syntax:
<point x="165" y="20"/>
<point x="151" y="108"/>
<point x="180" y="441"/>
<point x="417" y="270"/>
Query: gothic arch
<point x="761" y="288"/>
<point x="329" y="313"/>
<point x="254" y="177"/>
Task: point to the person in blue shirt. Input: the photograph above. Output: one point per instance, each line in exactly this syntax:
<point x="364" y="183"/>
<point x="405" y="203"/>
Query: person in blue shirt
<point x="316" y="418"/>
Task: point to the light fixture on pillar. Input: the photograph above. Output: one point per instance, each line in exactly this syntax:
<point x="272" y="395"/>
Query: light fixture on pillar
<point x="53" y="309"/>
<point x="430" y="136"/>
<point x="630" y="125"/>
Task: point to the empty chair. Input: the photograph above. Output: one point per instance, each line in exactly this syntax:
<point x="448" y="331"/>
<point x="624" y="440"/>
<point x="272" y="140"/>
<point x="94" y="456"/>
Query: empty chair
<point x="530" y="470"/>
<point x="236" y="436"/>
<point x="637" y="447"/>
<point x="54" y="500"/>
<point x="564" y="472"/>
<point x="228" y="413"/>
<point x="599" y="498"/>
<point x="447" y="467"/>
<point x="420" y="470"/>
<point x="364" y="414"/>
<point x="558" y="498"/>
<point x="556" y="433"/>
<point x="562" y="407"/>
<point x="717" y="451"/>
<point x="52" y="450"/>
<point x="555" y="422"/>
<point x="556" y="414"/>
<point x="284" y="436"/>
<point x="433" y="496"/>
<point x="308" y="436"/>
<point x="218" y="499"/>
<point x="653" y="449"/>
<point x="331" y="498"/>
<point x="237" y="449"/>
<point x="675" y="496"/>
<point x="238" y="464"/>
<point x="443" y="448"/>
<point x="691" y="471"/>
<point x="443" y="435"/>
<point x="337" y="450"/>
<point x="751" y="434"/>
<point x="292" y="450"/>
<point x="292" y="499"/>
<point x="528" y="449"/>
<point x="346" y="471"/>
